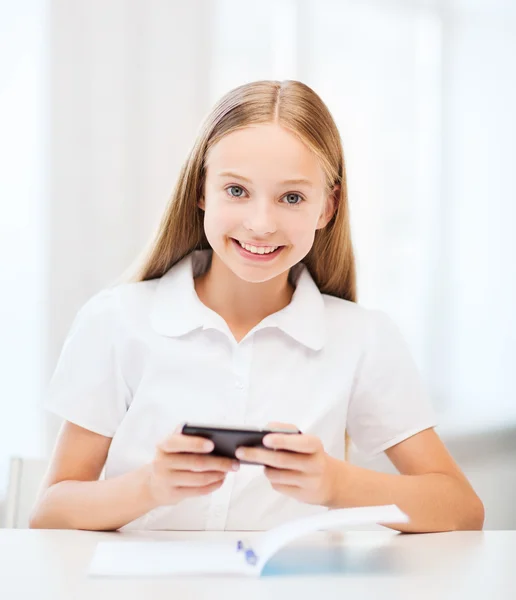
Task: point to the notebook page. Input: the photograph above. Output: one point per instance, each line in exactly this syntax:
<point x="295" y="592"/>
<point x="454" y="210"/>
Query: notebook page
<point x="278" y="537"/>
<point x="158" y="558"/>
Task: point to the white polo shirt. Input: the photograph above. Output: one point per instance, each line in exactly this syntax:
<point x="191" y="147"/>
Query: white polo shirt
<point x="140" y="358"/>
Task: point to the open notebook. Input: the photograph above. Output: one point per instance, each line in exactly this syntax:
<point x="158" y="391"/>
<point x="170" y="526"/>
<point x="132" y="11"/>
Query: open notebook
<point x="157" y="558"/>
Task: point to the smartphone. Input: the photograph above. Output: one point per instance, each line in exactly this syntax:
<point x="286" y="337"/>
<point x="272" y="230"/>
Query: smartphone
<point x="227" y="438"/>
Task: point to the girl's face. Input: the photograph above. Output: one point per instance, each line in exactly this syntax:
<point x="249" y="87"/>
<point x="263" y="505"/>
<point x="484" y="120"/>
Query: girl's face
<point x="264" y="188"/>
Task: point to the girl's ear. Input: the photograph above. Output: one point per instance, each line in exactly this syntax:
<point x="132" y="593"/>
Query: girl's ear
<point x="330" y="206"/>
<point x="201" y="203"/>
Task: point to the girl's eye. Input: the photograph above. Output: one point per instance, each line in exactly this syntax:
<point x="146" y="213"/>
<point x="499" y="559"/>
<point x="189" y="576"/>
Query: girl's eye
<point x="292" y="197"/>
<point x="233" y="187"/>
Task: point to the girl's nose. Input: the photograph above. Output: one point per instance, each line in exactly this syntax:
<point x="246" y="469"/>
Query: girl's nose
<point x="260" y="219"/>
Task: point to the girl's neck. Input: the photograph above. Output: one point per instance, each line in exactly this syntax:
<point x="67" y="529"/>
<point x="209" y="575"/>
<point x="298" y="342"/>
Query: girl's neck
<point x="240" y="303"/>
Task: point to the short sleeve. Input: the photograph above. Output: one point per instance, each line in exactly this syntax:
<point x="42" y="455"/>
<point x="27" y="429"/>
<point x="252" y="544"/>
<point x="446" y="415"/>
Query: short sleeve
<point x="87" y="387"/>
<point x="389" y="402"/>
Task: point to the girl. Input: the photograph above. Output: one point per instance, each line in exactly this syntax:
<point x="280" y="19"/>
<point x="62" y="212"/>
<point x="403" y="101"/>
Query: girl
<point x="244" y="312"/>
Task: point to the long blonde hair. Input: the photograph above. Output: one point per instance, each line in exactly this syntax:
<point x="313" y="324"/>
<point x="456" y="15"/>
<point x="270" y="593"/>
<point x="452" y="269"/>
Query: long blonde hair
<point x="296" y="107"/>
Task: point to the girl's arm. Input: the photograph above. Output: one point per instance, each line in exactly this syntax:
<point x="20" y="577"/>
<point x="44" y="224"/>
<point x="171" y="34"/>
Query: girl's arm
<point x="71" y="497"/>
<point x="431" y="489"/>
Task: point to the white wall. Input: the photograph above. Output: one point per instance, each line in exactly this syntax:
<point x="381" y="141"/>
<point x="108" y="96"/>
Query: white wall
<point x="480" y="206"/>
<point x="23" y="252"/>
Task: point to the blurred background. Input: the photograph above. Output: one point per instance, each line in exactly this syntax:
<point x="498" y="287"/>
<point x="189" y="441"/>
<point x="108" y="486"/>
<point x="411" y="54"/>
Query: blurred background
<point x="101" y="100"/>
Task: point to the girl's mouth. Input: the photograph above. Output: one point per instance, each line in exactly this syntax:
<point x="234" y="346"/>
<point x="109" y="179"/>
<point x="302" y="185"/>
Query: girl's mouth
<point x="254" y="254"/>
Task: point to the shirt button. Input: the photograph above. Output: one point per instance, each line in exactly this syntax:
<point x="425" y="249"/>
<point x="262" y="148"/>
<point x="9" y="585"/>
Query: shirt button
<point x="239" y="385"/>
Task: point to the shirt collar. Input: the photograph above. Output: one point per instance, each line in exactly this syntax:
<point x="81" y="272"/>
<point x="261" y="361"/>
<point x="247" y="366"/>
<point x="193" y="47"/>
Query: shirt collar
<point x="177" y="310"/>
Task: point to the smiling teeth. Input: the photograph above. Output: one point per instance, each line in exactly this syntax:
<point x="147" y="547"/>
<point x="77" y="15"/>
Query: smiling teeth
<point x="258" y="250"/>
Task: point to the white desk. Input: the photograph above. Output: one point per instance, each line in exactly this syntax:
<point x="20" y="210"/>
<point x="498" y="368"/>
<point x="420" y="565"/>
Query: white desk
<point x="383" y="565"/>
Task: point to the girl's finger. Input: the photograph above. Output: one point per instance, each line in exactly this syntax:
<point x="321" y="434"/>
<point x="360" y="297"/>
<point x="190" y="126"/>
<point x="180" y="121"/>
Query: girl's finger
<point x="279" y="460"/>
<point x="186" y="443"/>
<point x="188" y="492"/>
<point x="181" y="461"/>
<point x="191" y="479"/>
<point x="284" y="477"/>
<point x="288" y="490"/>
<point x="303" y="443"/>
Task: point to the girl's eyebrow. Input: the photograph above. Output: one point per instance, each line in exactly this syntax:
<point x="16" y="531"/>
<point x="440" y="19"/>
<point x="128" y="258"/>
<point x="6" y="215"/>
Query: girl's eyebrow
<point x="299" y="181"/>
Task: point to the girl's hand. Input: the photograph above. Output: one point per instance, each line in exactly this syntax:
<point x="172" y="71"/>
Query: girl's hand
<point x="297" y="465"/>
<point x="180" y="470"/>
